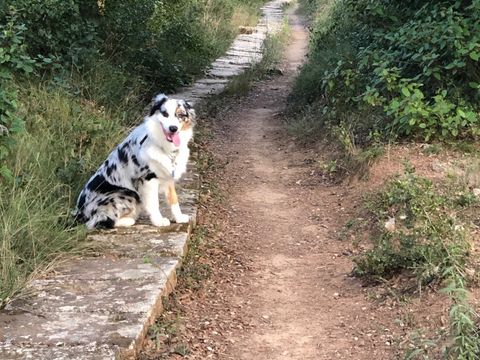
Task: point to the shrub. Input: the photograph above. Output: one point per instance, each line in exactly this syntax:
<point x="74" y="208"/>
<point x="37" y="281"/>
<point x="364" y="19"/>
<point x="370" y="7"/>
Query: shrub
<point x="413" y="67"/>
<point x="64" y="30"/>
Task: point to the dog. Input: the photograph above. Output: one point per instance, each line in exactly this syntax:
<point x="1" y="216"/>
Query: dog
<point x="150" y="159"/>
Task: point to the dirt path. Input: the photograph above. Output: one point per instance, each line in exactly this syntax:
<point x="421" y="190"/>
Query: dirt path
<point x="280" y="287"/>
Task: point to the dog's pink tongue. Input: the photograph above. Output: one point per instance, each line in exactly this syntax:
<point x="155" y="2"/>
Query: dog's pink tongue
<point x="176" y="139"/>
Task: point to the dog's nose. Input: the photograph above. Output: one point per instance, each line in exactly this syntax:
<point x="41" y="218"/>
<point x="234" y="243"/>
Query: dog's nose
<point x="173" y="128"/>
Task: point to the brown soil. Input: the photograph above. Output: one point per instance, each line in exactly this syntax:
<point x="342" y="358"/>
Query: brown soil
<point x="280" y="286"/>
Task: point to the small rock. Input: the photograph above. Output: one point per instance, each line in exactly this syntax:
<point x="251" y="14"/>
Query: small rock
<point x="476" y="192"/>
<point x="390" y="224"/>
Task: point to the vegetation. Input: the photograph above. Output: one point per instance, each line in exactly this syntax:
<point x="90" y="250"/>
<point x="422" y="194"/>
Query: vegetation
<point x="389" y="69"/>
<point x="74" y="76"/>
<point x="422" y="229"/>
<point x="383" y="70"/>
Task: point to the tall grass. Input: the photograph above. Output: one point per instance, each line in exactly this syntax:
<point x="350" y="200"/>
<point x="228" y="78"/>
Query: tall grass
<point x="64" y="142"/>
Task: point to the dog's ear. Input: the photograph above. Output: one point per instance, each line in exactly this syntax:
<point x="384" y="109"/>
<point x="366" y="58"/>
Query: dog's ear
<point x="189" y="110"/>
<point x="158" y="102"/>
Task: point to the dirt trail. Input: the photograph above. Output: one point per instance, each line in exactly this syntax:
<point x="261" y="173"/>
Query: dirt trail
<point x="298" y="298"/>
<point x="281" y="289"/>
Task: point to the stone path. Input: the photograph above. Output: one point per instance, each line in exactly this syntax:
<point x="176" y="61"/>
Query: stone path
<point x="100" y="307"/>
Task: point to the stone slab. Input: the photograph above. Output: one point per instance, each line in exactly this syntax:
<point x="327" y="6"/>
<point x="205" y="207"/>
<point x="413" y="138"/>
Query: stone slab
<point x="107" y="301"/>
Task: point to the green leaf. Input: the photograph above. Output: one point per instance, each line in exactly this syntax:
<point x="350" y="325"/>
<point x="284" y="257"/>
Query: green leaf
<point x="474" y="55"/>
<point x="406" y="92"/>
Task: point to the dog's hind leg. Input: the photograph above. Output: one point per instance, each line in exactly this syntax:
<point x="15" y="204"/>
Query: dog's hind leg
<point x="149" y="198"/>
<point x="172" y="199"/>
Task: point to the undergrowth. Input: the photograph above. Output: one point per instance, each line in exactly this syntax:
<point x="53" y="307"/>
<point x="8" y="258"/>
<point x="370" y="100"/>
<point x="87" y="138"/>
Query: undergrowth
<point x="422" y="230"/>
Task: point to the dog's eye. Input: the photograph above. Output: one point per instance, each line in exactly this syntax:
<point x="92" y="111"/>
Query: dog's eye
<point x="183" y="116"/>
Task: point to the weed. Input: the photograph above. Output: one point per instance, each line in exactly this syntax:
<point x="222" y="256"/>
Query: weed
<point x="420" y="346"/>
<point x="194" y="271"/>
<point x="432" y="149"/>
<point x="428" y="240"/>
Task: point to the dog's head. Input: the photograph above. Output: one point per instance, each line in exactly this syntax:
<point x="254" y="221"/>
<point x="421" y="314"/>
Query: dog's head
<point x="176" y="118"/>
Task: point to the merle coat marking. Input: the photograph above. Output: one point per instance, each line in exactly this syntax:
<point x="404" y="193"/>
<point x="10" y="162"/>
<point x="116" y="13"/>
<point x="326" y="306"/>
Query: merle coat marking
<point x="152" y="156"/>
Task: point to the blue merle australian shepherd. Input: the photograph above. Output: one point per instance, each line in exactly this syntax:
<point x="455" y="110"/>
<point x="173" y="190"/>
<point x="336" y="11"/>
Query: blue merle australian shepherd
<point x="149" y="160"/>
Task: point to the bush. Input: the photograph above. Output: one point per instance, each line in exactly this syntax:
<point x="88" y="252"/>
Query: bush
<point x="407" y="68"/>
<point x="64" y="30"/>
<point x="164" y="43"/>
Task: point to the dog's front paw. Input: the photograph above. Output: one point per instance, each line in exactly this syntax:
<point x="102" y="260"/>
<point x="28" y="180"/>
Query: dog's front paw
<point x="182" y="218"/>
<point x="160" y="221"/>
